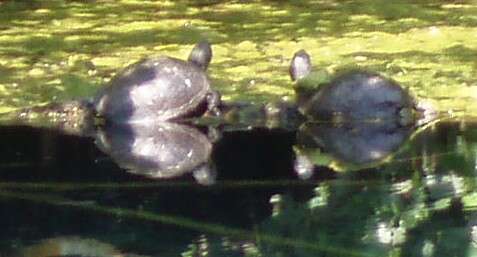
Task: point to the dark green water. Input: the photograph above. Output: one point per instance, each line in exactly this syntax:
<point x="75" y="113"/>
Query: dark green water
<point x="411" y="193"/>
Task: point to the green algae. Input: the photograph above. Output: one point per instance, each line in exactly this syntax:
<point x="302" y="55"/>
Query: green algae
<point x="58" y="50"/>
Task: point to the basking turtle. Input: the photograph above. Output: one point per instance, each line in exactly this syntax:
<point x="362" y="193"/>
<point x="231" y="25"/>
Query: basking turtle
<point x="351" y="96"/>
<point x="159" y="89"/>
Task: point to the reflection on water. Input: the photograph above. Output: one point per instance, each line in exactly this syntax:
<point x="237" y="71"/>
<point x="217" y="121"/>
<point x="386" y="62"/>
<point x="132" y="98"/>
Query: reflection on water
<point x="69" y="246"/>
<point x="352" y="144"/>
<point x="411" y="193"/>
<point x="160" y="150"/>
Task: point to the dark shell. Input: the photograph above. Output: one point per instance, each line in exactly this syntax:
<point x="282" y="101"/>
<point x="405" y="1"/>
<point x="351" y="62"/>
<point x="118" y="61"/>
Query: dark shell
<point x="160" y="88"/>
<point x="158" y="150"/>
<point x="359" y="96"/>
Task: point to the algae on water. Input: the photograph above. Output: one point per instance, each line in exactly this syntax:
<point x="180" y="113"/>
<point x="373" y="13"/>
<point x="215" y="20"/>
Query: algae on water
<point x="59" y="50"/>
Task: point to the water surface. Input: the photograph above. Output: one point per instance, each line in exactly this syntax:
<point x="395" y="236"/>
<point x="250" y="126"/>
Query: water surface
<point x="418" y="201"/>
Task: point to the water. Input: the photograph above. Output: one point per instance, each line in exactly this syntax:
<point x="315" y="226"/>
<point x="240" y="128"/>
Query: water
<point x="413" y="194"/>
<point x="319" y="191"/>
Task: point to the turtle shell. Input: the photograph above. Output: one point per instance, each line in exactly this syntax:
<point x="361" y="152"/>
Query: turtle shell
<point x="161" y="88"/>
<point x="359" y="96"/>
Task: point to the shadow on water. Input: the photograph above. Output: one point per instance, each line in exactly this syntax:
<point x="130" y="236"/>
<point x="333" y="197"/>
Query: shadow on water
<point x="465" y="54"/>
<point x="231" y="21"/>
<point x="411" y="192"/>
<point x="310" y="18"/>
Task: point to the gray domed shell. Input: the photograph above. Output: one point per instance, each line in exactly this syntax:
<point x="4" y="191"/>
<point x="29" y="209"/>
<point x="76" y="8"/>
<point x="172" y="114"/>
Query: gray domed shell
<point x="158" y="89"/>
<point x="360" y="96"/>
<point x="349" y="97"/>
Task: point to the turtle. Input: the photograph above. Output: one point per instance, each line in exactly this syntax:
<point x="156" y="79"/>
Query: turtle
<point x="161" y="88"/>
<point x="354" y="95"/>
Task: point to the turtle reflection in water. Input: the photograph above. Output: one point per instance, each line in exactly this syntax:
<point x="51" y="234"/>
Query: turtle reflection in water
<point x="159" y="150"/>
<point x="348" y="145"/>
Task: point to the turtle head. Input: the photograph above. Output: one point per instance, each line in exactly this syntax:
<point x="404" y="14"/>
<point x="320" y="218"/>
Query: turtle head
<point x="300" y="65"/>
<point x="201" y="55"/>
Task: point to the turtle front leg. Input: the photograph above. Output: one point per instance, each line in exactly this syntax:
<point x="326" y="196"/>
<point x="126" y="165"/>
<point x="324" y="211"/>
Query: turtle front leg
<point x="213" y="103"/>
